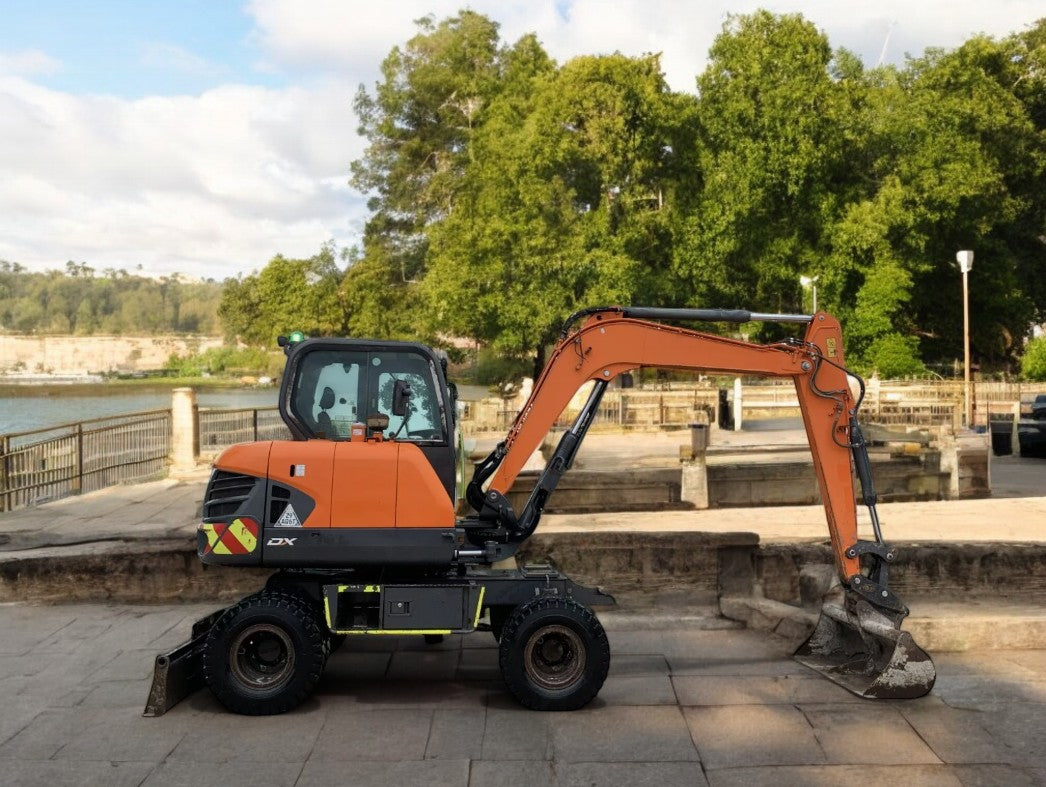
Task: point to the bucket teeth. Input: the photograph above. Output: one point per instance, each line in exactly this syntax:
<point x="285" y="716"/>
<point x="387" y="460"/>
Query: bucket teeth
<point x="865" y="651"/>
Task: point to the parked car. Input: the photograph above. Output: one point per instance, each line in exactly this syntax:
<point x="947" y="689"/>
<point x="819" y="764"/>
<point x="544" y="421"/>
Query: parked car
<point x="1031" y="429"/>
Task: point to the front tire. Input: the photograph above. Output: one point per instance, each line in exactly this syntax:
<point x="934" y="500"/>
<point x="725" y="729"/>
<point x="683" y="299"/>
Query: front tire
<point x="265" y="654"/>
<point x="554" y="654"/>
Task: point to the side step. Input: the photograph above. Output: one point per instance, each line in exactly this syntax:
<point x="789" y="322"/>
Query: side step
<point x="179" y="673"/>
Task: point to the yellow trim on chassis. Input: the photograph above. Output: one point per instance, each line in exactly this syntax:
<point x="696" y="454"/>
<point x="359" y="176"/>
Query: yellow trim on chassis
<point x="395" y="631"/>
<point x="377" y="589"/>
<point x="479" y="606"/>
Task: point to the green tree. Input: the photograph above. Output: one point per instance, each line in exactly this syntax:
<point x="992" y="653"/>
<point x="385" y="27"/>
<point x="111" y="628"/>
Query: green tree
<point x="772" y="162"/>
<point x="565" y="203"/>
<point x="419" y="125"/>
<point x="949" y="159"/>
<point x="286" y="295"/>
<point x="507" y="191"/>
<point x="1033" y="362"/>
<point x="76" y="301"/>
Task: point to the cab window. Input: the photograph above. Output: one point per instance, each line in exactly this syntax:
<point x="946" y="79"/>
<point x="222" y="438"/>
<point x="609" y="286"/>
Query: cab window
<point x="423" y="419"/>
<point x="337" y="388"/>
<point x="327" y="395"/>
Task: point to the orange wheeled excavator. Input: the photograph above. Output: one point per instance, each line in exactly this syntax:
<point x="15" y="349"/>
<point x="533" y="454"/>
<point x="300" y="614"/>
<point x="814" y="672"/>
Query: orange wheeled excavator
<point x="356" y="515"/>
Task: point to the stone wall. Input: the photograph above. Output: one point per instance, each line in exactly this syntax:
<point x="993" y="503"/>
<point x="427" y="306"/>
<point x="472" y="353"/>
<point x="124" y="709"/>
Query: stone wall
<point x="898" y="478"/>
<point x="588" y="491"/>
<point x="78" y="355"/>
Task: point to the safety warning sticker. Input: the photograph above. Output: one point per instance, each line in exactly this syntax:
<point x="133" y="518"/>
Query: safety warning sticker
<point x="238" y="538"/>
<point x="288" y="518"/>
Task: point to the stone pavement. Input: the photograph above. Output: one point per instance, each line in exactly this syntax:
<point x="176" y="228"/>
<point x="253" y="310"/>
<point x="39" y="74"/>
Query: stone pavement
<point x="133" y="512"/>
<point x="706" y="704"/>
<point x="689" y="700"/>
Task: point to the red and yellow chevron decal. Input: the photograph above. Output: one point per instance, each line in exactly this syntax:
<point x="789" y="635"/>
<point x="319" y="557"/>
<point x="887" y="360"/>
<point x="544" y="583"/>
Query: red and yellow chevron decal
<point x="238" y="538"/>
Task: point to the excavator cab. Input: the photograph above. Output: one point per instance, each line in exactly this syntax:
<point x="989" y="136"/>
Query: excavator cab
<point x="392" y="390"/>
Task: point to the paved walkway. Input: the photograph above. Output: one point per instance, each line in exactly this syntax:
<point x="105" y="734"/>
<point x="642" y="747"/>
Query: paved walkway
<point x="688" y="702"/>
<point x="705" y="705"/>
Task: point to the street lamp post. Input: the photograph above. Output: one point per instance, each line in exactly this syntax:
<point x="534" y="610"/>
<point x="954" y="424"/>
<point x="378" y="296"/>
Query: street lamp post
<point x="811" y="282"/>
<point x="965" y="260"/>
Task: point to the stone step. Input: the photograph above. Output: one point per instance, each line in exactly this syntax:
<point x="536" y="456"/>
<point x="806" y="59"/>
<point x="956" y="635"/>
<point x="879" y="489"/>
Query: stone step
<point x="941" y="627"/>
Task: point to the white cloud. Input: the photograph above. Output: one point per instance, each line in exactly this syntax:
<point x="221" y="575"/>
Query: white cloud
<point x="28" y="62"/>
<point x="352" y="38"/>
<point x="215" y="184"/>
<point x="205" y="185"/>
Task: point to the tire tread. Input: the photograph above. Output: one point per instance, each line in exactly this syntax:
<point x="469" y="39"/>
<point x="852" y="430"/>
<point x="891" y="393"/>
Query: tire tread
<point x="300" y="686"/>
<point x="597" y="654"/>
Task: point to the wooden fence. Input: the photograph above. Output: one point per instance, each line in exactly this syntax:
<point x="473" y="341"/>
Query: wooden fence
<point x="923" y="404"/>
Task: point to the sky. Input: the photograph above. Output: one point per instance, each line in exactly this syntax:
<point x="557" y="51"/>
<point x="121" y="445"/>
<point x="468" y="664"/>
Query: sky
<point x="206" y="136"/>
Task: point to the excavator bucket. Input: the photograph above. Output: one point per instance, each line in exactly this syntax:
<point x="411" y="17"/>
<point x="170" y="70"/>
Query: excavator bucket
<point x="865" y="651"/>
<point x="179" y="673"/>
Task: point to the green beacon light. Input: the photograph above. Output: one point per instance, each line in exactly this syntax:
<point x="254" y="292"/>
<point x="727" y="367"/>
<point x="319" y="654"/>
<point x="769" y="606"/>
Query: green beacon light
<point x="287" y="342"/>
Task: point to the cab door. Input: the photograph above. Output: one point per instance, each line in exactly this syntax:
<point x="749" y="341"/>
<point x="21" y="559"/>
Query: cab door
<point x="425" y="422"/>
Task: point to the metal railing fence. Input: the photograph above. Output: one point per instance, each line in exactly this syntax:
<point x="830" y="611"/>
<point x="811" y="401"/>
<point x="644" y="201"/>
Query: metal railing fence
<point x="45" y="464"/>
<point x="69" y="459"/>
<point x="222" y="428"/>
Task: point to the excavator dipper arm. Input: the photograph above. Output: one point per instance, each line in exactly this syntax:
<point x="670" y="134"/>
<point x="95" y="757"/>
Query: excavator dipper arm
<point x="611" y="342"/>
<point x="859" y="645"/>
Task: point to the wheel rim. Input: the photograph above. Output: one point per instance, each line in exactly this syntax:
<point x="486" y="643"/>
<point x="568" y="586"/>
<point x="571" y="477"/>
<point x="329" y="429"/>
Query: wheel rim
<point x="261" y="657"/>
<point x="554" y="657"/>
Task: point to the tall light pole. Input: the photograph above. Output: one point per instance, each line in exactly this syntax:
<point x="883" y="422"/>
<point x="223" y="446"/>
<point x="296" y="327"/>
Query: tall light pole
<point x="965" y="260"/>
<point x="807" y="281"/>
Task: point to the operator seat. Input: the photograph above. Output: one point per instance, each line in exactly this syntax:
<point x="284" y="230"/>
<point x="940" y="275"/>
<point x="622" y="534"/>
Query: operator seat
<point x="323" y="421"/>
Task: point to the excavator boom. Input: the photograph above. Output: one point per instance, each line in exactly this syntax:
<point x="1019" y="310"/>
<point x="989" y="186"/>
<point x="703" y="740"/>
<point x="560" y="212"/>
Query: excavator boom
<point x="854" y="644"/>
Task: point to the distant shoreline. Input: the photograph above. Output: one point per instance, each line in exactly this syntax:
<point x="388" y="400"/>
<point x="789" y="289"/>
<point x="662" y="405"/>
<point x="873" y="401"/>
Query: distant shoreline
<point x="72" y="356"/>
<point x="144" y="385"/>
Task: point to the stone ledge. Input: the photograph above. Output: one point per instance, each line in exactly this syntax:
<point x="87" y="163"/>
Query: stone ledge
<point x="936" y="627"/>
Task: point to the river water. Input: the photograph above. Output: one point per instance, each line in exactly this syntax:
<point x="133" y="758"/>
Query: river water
<point x="51" y="407"/>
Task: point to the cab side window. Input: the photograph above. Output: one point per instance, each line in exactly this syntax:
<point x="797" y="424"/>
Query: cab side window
<point x="327" y="395"/>
<point x="423" y="421"/>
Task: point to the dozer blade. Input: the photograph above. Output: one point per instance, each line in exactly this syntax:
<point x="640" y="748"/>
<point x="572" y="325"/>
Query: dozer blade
<point x="179" y="673"/>
<point x="865" y="651"/>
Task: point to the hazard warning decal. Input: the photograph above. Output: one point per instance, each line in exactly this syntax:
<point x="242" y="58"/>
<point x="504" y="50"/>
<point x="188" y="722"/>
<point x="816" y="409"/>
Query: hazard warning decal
<point x="238" y="538"/>
<point x="288" y="518"/>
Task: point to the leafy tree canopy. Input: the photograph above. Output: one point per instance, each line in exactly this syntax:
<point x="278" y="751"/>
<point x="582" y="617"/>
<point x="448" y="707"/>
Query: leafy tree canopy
<point x="507" y="190"/>
<point x="287" y="295"/>
<point x="1033" y="363"/>
<point x="79" y="301"/>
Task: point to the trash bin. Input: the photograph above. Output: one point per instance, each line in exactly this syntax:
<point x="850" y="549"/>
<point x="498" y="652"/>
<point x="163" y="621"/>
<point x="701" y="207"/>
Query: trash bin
<point x="1002" y="441"/>
<point x="726" y="420"/>
<point x="698" y="438"/>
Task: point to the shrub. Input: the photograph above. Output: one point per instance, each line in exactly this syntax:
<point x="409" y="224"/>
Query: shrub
<point x="1033" y="362"/>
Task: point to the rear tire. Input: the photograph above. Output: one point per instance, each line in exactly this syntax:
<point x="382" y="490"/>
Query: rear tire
<point x="265" y="654"/>
<point x="554" y="654"/>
